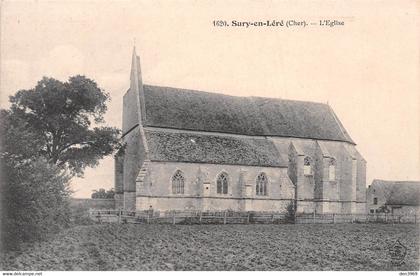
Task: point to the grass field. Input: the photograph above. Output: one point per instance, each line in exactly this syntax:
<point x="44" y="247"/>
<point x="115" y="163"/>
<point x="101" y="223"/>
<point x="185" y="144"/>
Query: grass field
<point x="220" y="247"/>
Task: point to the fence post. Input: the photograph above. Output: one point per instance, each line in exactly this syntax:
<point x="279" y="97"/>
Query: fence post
<point x="333" y="218"/>
<point x="247" y="218"/>
<point x="224" y="218"/>
<point x="272" y="218"/>
<point x="119" y="216"/>
<point x="173" y="217"/>
<point x="201" y="215"/>
<point x="313" y="218"/>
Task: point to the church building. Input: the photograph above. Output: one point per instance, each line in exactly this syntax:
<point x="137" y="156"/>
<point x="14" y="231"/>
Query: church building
<point x="194" y="150"/>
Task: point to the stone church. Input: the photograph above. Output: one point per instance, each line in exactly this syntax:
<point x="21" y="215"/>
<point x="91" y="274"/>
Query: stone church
<point x="194" y="150"/>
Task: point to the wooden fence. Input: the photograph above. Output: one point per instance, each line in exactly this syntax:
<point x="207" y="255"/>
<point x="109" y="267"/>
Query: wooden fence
<point x="231" y="217"/>
<point x="355" y="218"/>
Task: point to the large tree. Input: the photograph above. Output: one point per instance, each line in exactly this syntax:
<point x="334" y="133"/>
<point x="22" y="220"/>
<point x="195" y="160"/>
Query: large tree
<point x="60" y="122"/>
<point x="49" y="134"/>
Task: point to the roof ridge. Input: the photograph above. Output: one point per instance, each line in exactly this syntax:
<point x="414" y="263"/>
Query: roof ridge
<point x="223" y="94"/>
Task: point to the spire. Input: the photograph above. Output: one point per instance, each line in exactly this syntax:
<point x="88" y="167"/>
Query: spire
<point x="134" y="64"/>
<point x="137" y="91"/>
<point x="135" y="75"/>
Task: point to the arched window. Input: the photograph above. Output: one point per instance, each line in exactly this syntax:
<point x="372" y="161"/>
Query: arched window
<point x="261" y="186"/>
<point x="307" y="166"/>
<point x="178" y="181"/>
<point x="222" y="183"/>
<point x="331" y="170"/>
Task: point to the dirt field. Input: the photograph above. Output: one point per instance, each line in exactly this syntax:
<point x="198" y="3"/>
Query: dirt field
<point x="220" y="247"/>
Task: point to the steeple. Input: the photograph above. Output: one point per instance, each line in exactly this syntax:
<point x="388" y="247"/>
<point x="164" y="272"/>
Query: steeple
<point x="133" y="64"/>
<point x="136" y="84"/>
<point x="137" y="150"/>
<point x="137" y="92"/>
<point x="135" y="68"/>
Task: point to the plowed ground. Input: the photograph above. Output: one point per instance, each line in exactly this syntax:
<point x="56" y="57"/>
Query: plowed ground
<point x="220" y="247"/>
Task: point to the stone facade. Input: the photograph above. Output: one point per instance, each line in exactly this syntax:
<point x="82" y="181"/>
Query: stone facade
<point x="318" y="191"/>
<point x="325" y="189"/>
<point x="200" y="191"/>
<point x="318" y="175"/>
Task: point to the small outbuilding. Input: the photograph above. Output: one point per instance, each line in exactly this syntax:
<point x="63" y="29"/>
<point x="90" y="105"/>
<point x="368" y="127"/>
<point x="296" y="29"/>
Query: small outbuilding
<point x="395" y="197"/>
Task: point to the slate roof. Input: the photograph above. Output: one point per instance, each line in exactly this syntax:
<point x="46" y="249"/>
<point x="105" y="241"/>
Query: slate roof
<point x="254" y="116"/>
<point x="400" y="192"/>
<point x="215" y="149"/>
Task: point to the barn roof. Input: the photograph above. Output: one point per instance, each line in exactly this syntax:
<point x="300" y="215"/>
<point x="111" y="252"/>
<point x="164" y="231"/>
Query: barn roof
<point x="399" y="192"/>
<point x="254" y="116"/>
<point x="173" y="146"/>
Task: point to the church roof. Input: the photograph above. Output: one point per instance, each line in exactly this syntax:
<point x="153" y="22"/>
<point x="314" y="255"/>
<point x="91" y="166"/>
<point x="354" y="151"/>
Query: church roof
<point x="165" y="145"/>
<point x="399" y="192"/>
<point x="253" y="116"/>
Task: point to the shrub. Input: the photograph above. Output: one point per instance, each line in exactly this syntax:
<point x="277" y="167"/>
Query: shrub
<point x="35" y="202"/>
<point x="101" y="193"/>
<point x="291" y="213"/>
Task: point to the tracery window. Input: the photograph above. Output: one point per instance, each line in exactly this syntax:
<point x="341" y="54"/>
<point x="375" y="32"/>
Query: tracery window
<point x="178" y="181"/>
<point x="261" y="185"/>
<point x="222" y="183"/>
<point x="331" y="170"/>
<point x="307" y="166"/>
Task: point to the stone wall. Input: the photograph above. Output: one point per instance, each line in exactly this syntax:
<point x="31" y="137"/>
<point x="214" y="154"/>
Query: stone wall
<point x="156" y="190"/>
<point x="134" y="152"/>
<point x="361" y="186"/>
<point x="119" y="201"/>
<point x="375" y="191"/>
<point x="132" y="163"/>
<point x="317" y="192"/>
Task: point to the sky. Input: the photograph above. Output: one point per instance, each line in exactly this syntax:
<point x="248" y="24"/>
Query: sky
<point x="367" y="70"/>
